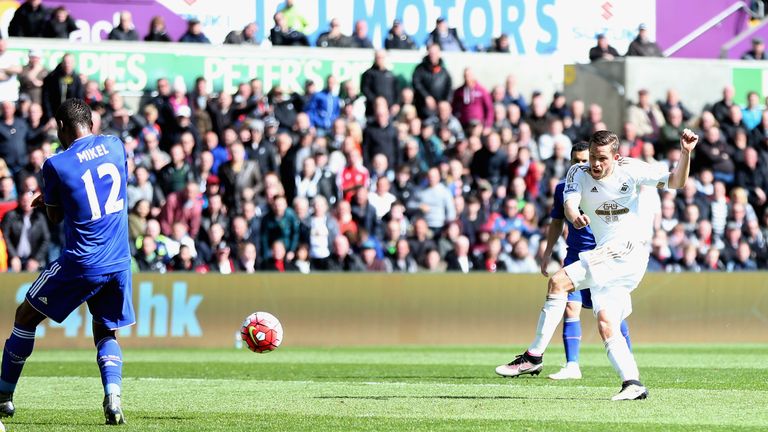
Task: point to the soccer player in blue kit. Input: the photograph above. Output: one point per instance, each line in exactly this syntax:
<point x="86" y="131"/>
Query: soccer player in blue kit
<point x="84" y="187"/>
<point x="577" y="241"/>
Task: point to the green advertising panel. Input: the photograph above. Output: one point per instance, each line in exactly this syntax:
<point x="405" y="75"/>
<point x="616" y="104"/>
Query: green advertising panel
<point x="746" y="80"/>
<point x="224" y="67"/>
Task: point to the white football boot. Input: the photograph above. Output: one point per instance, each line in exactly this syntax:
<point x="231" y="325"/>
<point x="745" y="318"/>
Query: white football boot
<point x="631" y="390"/>
<point x="569" y="371"/>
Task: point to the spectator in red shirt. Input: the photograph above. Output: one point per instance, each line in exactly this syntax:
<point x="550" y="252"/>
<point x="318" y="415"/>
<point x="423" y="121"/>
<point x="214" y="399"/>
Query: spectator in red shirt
<point x="184" y="206"/>
<point x="278" y="262"/>
<point x="527" y="169"/>
<point x="347" y="223"/>
<point x="472" y="102"/>
<point x="8" y="200"/>
<point x="353" y="176"/>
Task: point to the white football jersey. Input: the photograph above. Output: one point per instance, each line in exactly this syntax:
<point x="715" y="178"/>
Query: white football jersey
<point x="612" y="202"/>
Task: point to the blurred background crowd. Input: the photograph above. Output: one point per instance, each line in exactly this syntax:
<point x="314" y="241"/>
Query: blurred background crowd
<point x="369" y="175"/>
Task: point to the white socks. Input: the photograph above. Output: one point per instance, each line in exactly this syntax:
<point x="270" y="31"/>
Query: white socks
<point x="550" y="317"/>
<point x="621" y="357"/>
<point x="112" y="389"/>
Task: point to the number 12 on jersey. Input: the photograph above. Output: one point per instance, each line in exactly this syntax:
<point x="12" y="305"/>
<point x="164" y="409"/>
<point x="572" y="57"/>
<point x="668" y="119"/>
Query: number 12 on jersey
<point x="113" y="204"/>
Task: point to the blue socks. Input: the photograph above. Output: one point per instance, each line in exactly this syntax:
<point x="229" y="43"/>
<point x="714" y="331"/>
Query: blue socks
<point x="17" y="348"/>
<point x="572" y="339"/>
<point x="110" y="360"/>
<point x="625" y="333"/>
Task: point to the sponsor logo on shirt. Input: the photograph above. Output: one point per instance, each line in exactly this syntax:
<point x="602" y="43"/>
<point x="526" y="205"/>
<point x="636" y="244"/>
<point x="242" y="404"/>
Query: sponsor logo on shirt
<point x="610" y="211"/>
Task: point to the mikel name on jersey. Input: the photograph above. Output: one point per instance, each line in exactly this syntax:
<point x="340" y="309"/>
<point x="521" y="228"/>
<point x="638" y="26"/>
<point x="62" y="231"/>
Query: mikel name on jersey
<point x="92" y="153"/>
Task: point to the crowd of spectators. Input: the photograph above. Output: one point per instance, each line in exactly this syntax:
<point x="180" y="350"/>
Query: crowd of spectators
<point x="432" y="176"/>
<point x="373" y="175"/>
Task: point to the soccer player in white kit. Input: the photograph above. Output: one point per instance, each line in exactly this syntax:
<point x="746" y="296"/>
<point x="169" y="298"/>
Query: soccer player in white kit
<point x="606" y="190"/>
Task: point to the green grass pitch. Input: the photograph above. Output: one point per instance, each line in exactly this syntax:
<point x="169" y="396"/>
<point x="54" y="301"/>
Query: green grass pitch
<point x="395" y="389"/>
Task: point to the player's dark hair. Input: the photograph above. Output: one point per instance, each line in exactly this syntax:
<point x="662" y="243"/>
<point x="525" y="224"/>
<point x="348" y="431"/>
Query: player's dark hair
<point x="579" y="147"/>
<point x="603" y="138"/>
<point x="74" y="113"/>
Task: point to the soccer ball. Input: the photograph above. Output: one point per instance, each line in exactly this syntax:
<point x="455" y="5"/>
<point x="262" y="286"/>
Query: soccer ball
<point x="261" y="332"/>
<point x="2" y="428"/>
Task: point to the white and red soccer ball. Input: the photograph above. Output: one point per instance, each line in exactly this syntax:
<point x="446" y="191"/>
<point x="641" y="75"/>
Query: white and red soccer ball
<point x="261" y="332"/>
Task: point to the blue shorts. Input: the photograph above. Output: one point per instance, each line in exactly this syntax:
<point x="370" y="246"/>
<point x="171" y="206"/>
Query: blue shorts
<point x="57" y="293"/>
<point x="581" y="296"/>
<point x="578" y="296"/>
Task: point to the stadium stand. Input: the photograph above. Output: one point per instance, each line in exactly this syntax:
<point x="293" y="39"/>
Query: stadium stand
<point x="377" y="175"/>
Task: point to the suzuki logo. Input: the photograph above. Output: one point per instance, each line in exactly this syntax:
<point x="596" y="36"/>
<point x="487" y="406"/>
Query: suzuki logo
<point x="607" y="14"/>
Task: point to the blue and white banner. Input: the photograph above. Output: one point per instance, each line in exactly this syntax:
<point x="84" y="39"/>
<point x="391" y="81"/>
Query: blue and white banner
<point x="564" y="29"/>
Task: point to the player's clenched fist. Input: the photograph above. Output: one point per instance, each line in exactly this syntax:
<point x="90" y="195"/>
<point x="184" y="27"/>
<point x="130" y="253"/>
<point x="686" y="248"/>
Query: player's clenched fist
<point x="688" y="140"/>
<point x="581" y="221"/>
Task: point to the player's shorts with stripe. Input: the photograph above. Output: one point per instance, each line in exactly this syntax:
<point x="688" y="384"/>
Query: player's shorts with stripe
<point x="56" y="293"/>
<point x="582" y="296"/>
<point x="611" y="271"/>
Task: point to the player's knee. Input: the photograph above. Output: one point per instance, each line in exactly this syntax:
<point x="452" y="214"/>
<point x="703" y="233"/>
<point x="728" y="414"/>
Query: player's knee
<point x="572" y="310"/>
<point x="552" y="287"/>
<point x="20" y="317"/>
<point x="604" y="327"/>
<point x="559" y="283"/>
<point x="100" y="332"/>
<point x="28" y="316"/>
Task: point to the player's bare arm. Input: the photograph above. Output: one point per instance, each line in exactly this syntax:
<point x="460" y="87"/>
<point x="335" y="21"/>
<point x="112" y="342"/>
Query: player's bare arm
<point x="54" y="212"/>
<point x="679" y="175"/>
<point x="554" y="232"/>
<point x="38" y="202"/>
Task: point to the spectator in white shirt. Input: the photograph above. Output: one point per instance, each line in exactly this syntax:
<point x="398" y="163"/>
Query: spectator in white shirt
<point x="382" y="199"/>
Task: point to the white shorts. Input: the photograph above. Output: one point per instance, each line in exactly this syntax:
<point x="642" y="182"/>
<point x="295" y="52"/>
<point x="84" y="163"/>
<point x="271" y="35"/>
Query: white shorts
<point x="610" y="271"/>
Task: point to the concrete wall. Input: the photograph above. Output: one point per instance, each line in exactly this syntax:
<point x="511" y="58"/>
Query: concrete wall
<point x="600" y="83"/>
<point x="699" y="82"/>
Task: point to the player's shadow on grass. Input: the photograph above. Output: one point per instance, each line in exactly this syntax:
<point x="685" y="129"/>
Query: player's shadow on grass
<point x="58" y="422"/>
<point x="410" y="377"/>
<point x="162" y="417"/>
<point x="51" y="422"/>
<point x="449" y="397"/>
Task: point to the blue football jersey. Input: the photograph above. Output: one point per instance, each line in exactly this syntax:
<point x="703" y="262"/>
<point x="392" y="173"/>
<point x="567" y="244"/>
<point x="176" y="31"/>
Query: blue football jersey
<point x="88" y="182"/>
<point x="577" y="240"/>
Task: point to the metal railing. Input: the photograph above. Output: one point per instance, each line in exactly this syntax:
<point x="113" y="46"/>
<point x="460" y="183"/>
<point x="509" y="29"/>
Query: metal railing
<point x="715" y="20"/>
<point x="726" y="48"/>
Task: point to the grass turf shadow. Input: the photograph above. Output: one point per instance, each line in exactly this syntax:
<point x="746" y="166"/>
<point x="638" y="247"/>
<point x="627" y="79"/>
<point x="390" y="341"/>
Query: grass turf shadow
<point x="449" y="397"/>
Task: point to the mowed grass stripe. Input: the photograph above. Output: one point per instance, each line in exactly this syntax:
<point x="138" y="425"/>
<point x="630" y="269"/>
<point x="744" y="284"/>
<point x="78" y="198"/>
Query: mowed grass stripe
<point x="682" y="356"/>
<point x="544" y="403"/>
<point x="594" y="376"/>
<point x="58" y="421"/>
